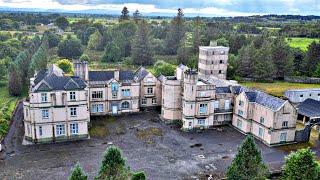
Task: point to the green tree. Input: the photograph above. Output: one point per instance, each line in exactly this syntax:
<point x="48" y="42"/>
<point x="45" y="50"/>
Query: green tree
<point x="233" y="67"/>
<point x="141" y="52"/>
<point x="223" y="42"/>
<point x="166" y="69"/>
<point x="62" y="22"/>
<point x="95" y="41"/>
<point x="38" y="61"/>
<point x="123" y="35"/>
<point x="86" y="35"/>
<point x="84" y="57"/>
<point x="53" y="39"/>
<point x="77" y="173"/>
<point x="3" y="69"/>
<point x="124" y="14"/>
<point x="112" y="53"/>
<point x="136" y="16"/>
<point x="70" y="48"/>
<point x="176" y="33"/>
<point x="185" y="49"/>
<point x="15" y="82"/>
<point x="248" y="162"/>
<point x="139" y="176"/>
<point x="312" y="58"/>
<point x="65" y="65"/>
<point x="301" y="164"/>
<point x="113" y="165"/>
<point x="246" y="60"/>
<point x="264" y="68"/>
<point x="196" y="34"/>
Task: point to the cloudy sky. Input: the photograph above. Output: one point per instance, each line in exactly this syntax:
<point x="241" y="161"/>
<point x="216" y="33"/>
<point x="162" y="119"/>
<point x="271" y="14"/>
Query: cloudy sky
<point x="201" y="7"/>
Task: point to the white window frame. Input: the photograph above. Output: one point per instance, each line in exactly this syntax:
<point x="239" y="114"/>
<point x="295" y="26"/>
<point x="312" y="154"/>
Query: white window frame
<point x="40" y="131"/>
<point x="239" y="123"/>
<point x="285" y="124"/>
<point x="60" y="129"/>
<point x="97" y="94"/>
<point x="262" y="120"/>
<point x="203" y="108"/>
<point x="45" y="113"/>
<point x="216" y="104"/>
<point x="44" y="97"/>
<point x="97" y="108"/>
<point x="201" y="122"/>
<point x="261" y="132"/>
<point x="73" y="112"/>
<point x="227" y="104"/>
<point x="74" y="128"/>
<point x="125" y="103"/>
<point x="283" y="134"/>
<point x="126" y="92"/>
<point x="72" y="96"/>
<point x="149" y="90"/>
<point x="143" y="101"/>
<point x="154" y="100"/>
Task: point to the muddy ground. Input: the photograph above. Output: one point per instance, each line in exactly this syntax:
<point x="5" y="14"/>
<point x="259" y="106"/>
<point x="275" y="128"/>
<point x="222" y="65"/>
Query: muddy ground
<point x="148" y="144"/>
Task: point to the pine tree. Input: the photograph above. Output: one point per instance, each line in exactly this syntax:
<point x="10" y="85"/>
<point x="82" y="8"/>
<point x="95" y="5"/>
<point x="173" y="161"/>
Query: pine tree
<point x="246" y="61"/>
<point x="176" y="33"/>
<point x="301" y="164"/>
<point x="185" y="49"/>
<point x="312" y="58"/>
<point x="113" y="165"/>
<point x="196" y="34"/>
<point x="264" y="68"/>
<point x="248" y="162"/>
<point x="136" y="16"/>
<point x="124" y="14"/>
<point x="77" y="173"/>
<point x="141" y="52"/>
<point x="15" y="82"/>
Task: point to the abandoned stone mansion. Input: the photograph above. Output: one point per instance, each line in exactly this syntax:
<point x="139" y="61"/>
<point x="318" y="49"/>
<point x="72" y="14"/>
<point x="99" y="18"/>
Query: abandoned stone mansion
<point x="59" y="107"/>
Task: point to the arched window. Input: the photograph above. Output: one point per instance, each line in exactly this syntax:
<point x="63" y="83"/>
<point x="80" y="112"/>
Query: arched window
<point x="125" y="105"/>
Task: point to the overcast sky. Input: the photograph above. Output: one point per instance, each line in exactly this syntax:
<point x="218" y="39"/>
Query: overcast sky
<point x="203" y="7"/>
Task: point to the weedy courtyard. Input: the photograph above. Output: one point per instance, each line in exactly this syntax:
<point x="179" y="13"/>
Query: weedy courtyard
<point x="161" y="150"/>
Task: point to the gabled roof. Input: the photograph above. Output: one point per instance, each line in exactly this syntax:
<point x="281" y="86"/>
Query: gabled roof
<point x="161" y="78"/>
<point x="140" y="74"/>
<point x="309" y="108"/>
<point x="53" y="79"/>
<point x="222" y="90"/>
<point x="264" y="99"/>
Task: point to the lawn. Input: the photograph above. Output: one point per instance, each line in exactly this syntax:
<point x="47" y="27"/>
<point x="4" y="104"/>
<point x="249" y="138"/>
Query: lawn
<point x="301" y="43"/>
<point x="7" y="106"/>
<point x="278" y="88"/>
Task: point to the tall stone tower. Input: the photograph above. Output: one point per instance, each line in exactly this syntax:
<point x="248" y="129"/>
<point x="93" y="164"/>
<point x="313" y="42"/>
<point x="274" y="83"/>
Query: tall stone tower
<point x="213" y="61"/>
<point x="81" y="69"/>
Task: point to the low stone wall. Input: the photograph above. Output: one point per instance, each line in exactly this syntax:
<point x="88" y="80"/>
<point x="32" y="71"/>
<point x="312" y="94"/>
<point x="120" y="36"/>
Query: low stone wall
<point x="300" y="79"/>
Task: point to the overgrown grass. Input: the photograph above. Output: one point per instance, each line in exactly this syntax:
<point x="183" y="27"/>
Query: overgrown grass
<point x="278" y="88"/>
<point x="302" y="43"/>
<point x="99" y="126"/>
<point x="7" y="106"/>
<point x="149" y="134"/>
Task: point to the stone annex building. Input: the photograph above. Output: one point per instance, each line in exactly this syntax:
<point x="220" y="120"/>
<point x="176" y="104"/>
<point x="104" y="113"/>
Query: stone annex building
<point x="59" y="106"/>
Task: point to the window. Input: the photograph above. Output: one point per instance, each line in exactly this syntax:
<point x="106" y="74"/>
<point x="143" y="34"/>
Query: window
<point x="240" y="112"/>
<point x="126" y="92"/>
<point x="114" y="95"/>
<point x="44" y="97"/>
<point x="190" y="124"/>
<point x="97" y="95"/>
<point x="215" y="117"/>
<point x="221" y="61"/>
<point x="261" y="131"/>
<point x="301" y="95"/>
<point x="283" y="137"/>
<point x="211" y="72"/>
<point x="125" y="105"/>
<point x="261" y="120"/>
<point x="319" y="94"/>
<point x="310" y="94"/>
<point x="114" y="87"/>
<point x="203" y="108"/>
<point x="227" y="105"/>
<point x="226" y="117"/>
<point x="45" y="113"/>
<point x="220" y="71"/>
<point x="144" y="101"/>
<point x="201" y="121"/>
<point x="150" y="90"/>
<point x="212" y="52"/>
<point x="239" y="123"/>
<point x="154" y="101"/>
<point x="73" y="111"/>
<point x="241" y="103"/>
<point x="97" y="108"/>
<point x="40" y="130"/>
<point x="216" y="104"/>
<point x="74" y="128"/>
<point x="60" y="129"/>
<point x="285" y="124"/>
<point x="72" y="96"/>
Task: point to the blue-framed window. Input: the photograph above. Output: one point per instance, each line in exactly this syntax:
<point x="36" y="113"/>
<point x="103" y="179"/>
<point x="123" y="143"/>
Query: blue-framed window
<point x="203" y="108"/>
<point x="114" y="86"/>
<point x="126" y="92"/>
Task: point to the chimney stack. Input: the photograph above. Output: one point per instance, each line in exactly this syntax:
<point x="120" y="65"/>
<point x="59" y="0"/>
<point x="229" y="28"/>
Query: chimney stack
<point x="117" y="73"/>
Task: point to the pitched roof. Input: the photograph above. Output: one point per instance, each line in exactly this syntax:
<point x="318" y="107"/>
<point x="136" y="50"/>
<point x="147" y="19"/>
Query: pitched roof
<point x="264" y="99"/>
<point x="309" y="108"/>
<point x="221" y="90"/>
<point x="107" y="75"/>
<point x="161" y="78"/>
<point x="140" y="74"/>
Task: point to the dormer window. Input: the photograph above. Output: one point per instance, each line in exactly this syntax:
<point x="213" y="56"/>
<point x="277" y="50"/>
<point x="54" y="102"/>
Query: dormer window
<point x="44" y="97"/>
<point x="114" y="86"/>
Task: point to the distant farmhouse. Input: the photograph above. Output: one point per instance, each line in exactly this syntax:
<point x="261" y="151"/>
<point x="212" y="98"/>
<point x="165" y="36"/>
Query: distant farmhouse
<point x="59" y="106"/>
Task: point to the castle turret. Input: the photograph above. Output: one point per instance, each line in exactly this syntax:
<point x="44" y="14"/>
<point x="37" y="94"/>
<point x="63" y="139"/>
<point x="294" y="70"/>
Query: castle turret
<point x="190" y="79"/>
<point x="81" y="69"/>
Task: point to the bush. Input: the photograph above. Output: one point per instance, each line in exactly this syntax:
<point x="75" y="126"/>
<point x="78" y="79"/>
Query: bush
<point x="139" y="176"/>
<point x="65" y="65"/>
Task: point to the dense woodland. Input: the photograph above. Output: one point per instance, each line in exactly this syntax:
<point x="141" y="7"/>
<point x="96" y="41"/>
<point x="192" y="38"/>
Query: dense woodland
<point x="259" y="48"/>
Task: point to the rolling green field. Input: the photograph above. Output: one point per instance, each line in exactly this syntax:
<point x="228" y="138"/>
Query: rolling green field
<point x="278" y="88"/>
<point x="7" y="106"/>
<point x="301" y="43"/>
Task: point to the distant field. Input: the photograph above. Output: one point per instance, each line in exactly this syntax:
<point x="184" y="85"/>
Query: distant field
<point x="7" y="106"/>
<point x="278" y="88"/>
<point x="301" y="43"/>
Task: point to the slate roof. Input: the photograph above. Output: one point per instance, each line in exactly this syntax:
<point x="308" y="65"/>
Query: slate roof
<point x="221" y="90"/>
<point x="264" y="99"/>
<point x="309" y="108"/>
<point x="107" y="75"/>
<point x="161" y="77"/>
<point x="52" y="81"/>
<point x="140" y="74"/>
